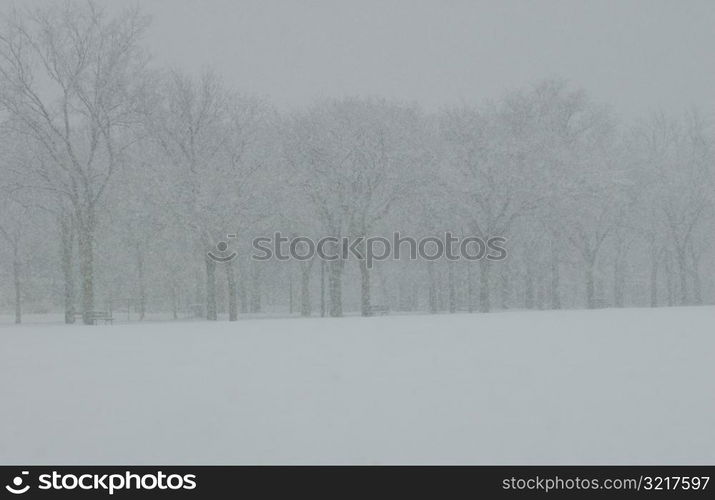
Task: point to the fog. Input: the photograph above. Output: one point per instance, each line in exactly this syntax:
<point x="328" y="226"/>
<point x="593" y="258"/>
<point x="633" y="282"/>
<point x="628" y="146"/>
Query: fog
<point x="580" y="132"/>
<point x="634" y="55"/>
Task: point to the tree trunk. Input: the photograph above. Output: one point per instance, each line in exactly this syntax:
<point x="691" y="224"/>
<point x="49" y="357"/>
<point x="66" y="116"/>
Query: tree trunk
<point x="669" y="280"/>
<point x="540" y="292"/>
<point x="290" y="292"/>
<point x="555" y="289"/>
<point x="590" y="286"/>
<point x="470" y="287"/>
<point x="18" y="288"/>
<point x="232" y="295"/>
<point x="697" y="283"/>
<point x="199" y="288"/>
<point x="697" y="289"/>
<point x="440" y="290"/>
<point x="211" y="310"/>
<point x="305" y="304"/>
<point x="256" y="305"/>
<point x="322" y="288"/>
<point x="67" y="238"/>
<point x="86" y="267"/>
<point x="142" y="284"/>
<point x="335" y="275"/>
<point x="484" y="292"/>
<point x="364" y="288"/>
<point x="504" y="290"/>
<point x="174" y="300"/>
<point x="619" y="273"/>
<point x="683" y="275"/>
<point x="432" y="297"/>
<point x="242" y="291"/>
<point x="654" y="280"/>
<point x="452" y="287"/>
<point x="529" y="294"/>
<point x="618" y="284"/>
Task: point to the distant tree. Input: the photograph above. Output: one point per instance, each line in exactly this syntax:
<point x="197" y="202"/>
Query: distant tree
<point x="352" y="160"/>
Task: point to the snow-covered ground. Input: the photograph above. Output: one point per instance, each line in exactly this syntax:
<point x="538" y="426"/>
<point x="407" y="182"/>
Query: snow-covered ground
<point x="631" y="386"/>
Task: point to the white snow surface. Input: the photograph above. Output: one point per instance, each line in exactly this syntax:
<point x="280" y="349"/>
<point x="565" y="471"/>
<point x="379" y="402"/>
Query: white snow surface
<point x="628" y="386"/>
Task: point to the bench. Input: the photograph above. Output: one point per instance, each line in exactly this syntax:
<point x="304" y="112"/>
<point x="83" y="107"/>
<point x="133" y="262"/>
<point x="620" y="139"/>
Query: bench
<point x="197" y="310"/>
<point x="378" y="310"/>
<point x="95" y="316"/>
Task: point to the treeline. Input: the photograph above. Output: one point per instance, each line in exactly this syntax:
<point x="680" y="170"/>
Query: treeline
<point x="118" y="177"/>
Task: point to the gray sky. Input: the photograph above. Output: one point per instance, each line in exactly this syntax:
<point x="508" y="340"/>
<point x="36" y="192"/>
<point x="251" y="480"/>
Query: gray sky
<point x="635" y="55"/>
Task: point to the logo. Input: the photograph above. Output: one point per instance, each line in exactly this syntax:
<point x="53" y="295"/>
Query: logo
<point x="223" y="254"/>
<point x="111" y="483"/>
<point x="16" y="487"/>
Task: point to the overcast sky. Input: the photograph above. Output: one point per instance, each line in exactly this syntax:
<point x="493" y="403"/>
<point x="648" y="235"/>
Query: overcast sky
<point x="636" y="55"/>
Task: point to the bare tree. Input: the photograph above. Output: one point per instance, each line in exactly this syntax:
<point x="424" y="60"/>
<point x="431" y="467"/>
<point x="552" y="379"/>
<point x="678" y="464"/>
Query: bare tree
<point x="14" y="220"/>
<point x="67" y="80"/>
<point x="352" y="160"/>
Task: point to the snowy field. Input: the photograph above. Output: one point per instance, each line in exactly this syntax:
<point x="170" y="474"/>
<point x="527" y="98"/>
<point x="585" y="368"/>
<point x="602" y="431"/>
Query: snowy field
<point x="631" y="386"/>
